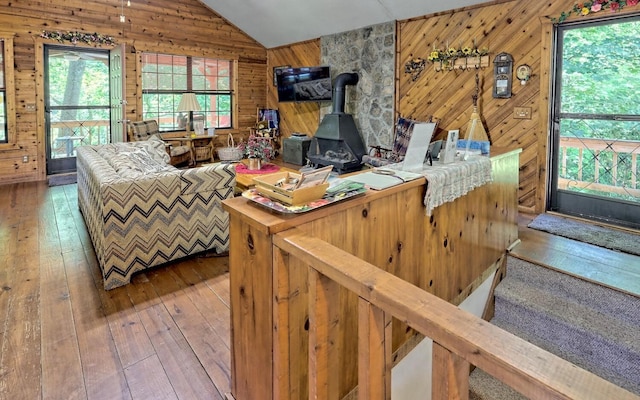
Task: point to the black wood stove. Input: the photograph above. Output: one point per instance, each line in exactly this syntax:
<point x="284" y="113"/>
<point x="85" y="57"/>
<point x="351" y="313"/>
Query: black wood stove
<point x="337" y="141"/>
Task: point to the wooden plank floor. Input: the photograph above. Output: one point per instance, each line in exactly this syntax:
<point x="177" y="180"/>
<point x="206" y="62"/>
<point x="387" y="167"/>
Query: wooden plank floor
<point x="164" y="336"/>
<point x="62" y="336"/>
<point x="614" y="269"/>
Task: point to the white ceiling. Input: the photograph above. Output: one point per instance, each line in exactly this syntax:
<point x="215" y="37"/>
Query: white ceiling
<point x="276" y="23"/>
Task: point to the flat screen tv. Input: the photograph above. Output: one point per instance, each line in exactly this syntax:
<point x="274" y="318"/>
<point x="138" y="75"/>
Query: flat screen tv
<point x="304" y="84"/>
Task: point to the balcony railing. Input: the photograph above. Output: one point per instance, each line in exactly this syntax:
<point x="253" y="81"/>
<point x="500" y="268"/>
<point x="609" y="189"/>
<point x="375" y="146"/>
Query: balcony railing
<point x="609" y="166"/>
<point x="65" y="136"/>
<point x="460" y="339"/>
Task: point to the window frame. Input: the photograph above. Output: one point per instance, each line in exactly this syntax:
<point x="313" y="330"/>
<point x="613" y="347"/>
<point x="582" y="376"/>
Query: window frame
<point x="9" y="91"/>
<point x="189" y="77"/>
<point x="598" y="204"/>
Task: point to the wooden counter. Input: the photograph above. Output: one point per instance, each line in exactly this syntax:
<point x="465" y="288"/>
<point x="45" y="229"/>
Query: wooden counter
<point x="443" y="254"/>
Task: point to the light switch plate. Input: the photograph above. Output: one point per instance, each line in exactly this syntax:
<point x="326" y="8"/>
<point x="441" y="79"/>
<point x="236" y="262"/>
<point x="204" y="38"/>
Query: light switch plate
<point x="522" y="112"/>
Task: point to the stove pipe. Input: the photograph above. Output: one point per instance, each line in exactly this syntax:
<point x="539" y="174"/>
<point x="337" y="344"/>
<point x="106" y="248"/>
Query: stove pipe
<point x="337" y="141"/>
<point x="340" y="90"/>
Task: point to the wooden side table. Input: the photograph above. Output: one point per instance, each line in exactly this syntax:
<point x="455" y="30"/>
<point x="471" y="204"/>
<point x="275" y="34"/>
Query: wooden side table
<point x="202" y="148"/>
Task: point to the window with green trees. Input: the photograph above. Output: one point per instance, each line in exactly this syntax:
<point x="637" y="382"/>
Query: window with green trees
<point x="166" y="77"/>
<point x="595" y="133"/>
<point x="600" y="107"/>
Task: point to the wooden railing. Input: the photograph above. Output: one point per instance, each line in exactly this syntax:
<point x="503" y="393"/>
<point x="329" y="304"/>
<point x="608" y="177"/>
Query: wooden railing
<point x="598" y="146"/>
<point x="460" y="339"/>
<point x="65" y="136"/>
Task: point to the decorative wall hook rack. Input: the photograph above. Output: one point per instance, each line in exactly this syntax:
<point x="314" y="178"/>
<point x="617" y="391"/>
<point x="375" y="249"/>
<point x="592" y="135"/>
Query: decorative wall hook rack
<point x="461" y="58"/>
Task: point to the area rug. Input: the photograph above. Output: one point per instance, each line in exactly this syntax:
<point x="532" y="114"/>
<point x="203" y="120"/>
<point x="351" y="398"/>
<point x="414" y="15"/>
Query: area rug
<point x="268" y="168"/>
<point x="62" y="179"/>
<point x="589" y="233"/>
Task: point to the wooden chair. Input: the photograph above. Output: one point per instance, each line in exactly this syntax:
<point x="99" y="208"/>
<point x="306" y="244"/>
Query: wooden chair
<point x="142" y="130"/>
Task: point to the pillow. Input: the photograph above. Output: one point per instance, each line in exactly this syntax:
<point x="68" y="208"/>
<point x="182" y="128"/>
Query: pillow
<point x="134" y="161"/>
<point x="157" y="149"/>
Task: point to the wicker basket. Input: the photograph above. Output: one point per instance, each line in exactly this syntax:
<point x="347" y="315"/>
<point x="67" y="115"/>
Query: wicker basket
<point x="203" y="153"/>
<point x="230" y="153"/>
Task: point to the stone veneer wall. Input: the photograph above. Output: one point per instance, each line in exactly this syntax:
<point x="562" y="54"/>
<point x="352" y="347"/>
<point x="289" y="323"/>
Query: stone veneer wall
<point x="370" y="52"/>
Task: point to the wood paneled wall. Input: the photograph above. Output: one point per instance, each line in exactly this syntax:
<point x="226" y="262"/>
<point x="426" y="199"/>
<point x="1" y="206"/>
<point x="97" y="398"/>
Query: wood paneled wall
<point x="523" y="29"/>
<point x="513" y="27"/>
<point x="520" y="28"/>
<point x="187" y="28"/>
<point x="294" y="117"/>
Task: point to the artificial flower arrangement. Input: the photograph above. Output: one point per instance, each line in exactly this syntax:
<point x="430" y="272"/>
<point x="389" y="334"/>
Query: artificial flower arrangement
<point x="78" y="37"/>
<point x="256" y="147"/>
<point x="590" y="7"/>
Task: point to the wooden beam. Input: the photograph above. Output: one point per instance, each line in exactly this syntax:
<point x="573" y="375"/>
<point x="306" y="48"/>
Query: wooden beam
<point x="374" y="352"/>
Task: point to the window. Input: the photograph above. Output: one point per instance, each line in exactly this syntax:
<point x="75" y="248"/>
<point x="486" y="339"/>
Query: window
<point x="596" y="113"/>
<point x="7" y="93"/>
<point x="166" y="77"/>
<point x="3" y="97"/>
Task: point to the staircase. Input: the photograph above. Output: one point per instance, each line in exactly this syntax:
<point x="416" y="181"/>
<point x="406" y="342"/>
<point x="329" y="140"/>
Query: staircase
<point x="587" y="324"/>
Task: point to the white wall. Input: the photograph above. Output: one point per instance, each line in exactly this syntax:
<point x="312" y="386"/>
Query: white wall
<point x="411" y="378"/>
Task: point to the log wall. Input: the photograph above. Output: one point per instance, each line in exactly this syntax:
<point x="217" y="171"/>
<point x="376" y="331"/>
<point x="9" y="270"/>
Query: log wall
<point x="185" y="28"/>
<point x="522" y="29"/>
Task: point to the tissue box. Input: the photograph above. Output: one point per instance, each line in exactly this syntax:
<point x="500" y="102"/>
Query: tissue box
<point x="476" y="145"/>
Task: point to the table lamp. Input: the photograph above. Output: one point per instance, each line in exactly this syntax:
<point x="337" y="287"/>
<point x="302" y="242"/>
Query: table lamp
<point x="189" y="103"/>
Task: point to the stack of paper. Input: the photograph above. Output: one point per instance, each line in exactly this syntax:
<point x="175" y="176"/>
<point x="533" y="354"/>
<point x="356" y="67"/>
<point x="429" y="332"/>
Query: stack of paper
<point x="384" y="179"/>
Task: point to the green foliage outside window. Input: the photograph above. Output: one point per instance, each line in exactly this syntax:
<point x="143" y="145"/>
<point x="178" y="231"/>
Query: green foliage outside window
<point x="166" y="77"/>
<point x="601" y="69"/>
<point x="600" y="82"/>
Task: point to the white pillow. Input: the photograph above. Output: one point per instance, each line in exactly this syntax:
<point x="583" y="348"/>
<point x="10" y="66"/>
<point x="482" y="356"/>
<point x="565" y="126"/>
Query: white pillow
<point x="156" y="148"/>
<point x="134" y="161"/>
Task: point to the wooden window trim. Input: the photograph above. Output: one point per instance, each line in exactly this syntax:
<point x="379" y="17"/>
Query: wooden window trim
<point x="234" y="83"/>
<point x="10" y="93"/>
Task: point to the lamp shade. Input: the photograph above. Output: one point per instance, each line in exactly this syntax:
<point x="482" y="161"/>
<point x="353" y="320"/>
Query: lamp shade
<point x="188" y="102"/>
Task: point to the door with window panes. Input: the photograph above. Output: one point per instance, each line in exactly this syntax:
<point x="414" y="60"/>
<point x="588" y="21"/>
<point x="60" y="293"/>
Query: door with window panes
<point x="596" y="121"/>
<point x="77" y="103"/>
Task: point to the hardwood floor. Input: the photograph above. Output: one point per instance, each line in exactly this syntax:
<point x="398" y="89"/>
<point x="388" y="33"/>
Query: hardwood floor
<point x="617" y="270"/>
<point x="164" y="336"/>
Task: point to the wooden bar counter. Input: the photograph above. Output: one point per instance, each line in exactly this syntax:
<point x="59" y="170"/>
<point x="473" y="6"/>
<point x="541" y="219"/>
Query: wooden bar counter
<point x="445" y="254"/>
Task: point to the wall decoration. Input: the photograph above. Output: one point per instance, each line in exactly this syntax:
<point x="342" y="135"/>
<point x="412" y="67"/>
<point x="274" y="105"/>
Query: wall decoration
<point x="502" y="76"/>
<point x="590" y="7"/>
<point x="79" y="37"/>
<point x="523" y="72"/>
<point x="414" y="67"/>
<point x="461" y="58"/>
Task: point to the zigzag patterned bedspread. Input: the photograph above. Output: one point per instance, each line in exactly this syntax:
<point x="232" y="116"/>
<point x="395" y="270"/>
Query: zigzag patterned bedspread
<point x="139" y="222"/>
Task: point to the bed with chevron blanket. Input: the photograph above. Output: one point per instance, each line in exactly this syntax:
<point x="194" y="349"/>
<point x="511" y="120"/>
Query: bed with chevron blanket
<point x="141" y="212"/>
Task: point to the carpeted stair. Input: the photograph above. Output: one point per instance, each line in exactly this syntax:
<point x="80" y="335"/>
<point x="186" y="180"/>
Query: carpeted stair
<point x="589" y="325"/>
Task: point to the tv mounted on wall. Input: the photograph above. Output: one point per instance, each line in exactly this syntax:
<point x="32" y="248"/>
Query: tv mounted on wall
<point x="304" y="84"/>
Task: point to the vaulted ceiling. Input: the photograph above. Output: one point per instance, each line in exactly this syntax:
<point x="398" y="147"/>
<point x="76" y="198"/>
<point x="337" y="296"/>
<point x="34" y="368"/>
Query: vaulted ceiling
<point x="276" y="23"/>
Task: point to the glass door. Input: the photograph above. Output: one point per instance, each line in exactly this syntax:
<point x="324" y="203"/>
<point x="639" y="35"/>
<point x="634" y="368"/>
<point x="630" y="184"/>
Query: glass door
<point x="596" y="115"/>
<point x="77" y="104"/>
